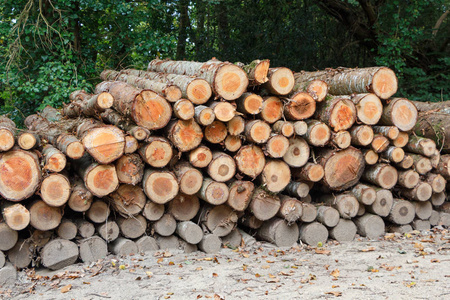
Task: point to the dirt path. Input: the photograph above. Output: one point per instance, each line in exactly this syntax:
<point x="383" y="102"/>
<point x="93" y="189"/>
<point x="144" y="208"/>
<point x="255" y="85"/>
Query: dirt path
<point x="416" y="266"/>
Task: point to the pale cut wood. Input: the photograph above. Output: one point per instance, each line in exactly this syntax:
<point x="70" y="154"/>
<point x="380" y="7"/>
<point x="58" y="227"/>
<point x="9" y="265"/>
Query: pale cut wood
<point x="20" y="174"/>
<point x="223" y="111"/>
<point x="421" y="192"/>
<point x="183" y="109"/>
<point x="184" y="135"/>
<point x="15" y="215"/>
<point x="317" y="133"/>
<point x="370" y="156"/>
<point x="210" y="243"/>
<point x="271" y="110"/>
<point x="200" y="157"/>
<point x="300" y="127"/>
<point x="123" y="246"/>
<point x="408" y="178"/>
<point x="213" y="192"/>
<point x="130" y="169"/>
<point x="67" y="229"/>
<point x="361" y="211"/>
<point x="370" y="226"/>
<point x="28" y="140"/>
<point x="402" y="212"/>
<point x="165" y="226"/>
<point x="204" y="115"/>
<point x="286" y="128"/>
<point x="434" y="219"/>
<point x="264" y="205"/>
<point x="153" y="211"/>
<point x="420" y="225"/>
<point x="232" y="143"/>
<point x="85" y="228"/>
<point x="281" y="81"/>
<point x="443" y="167"/>
<point x="393" y="154"/>
<point x="420" y="145"/>
<point x="290" y="210"/>
<point x="379" y="143"/>
<point x="435" y="158"/>
<point x="98" y="212"/>
<point x="250" y="221"/>
<point x="160" y="186"/>
<point x="338" y="113"/>
<point x="399" y="112"/>
<point x="184" y="207"/>
<point x="131" y="144"/>
<point x="84" y="104"/>
<point x="344" y="231"/>
<point x="275" y="176"/>
<point x="236" y="125"/>
<point x="382" y="204"/>
<point x="309" y="172"/>
<point x="297" y="189"/>
<point x="55" y="189"/>
<point x="8" y="237"/>
<point x="219" y="219"/>
<point x="21" y="254"/>
<point x="44" y="217"/>
<point x="249" y="103"/>
<point x="309" y="213"/>
<point x="299" y="106"/>
<point x="327" y="215"/>
<point x="216" y="132"/>
<point x="190" y="232"/>
<point x="80" y="199"/>
<point x="276" y="146"/>
<point x="133" y="227"/>
<point x="383" y="175"/>
<point x="257" y="131"/>
<point x="313" y="234"/>
<point x="279" y="232"/>
<point x="58" y="254"/>
<point x="318" y="89"/>
<point x="222" y="167"/>
<point x="438" y="199"/>
<point x="233" y="240"/>
<point x="423" y="209"/>
<point x="109" y="231"/>
<point x="361" y="135"/>
<point x="147" y="244"/>
<point x="189" y="179"/>
<point x="422" y="164"/>
<point x="54" y="160"/>
<point x="7" y="133"/>
<point x="437" y="182"/>
<point x="346" y="204"/>
<point x="406" y="163"/>
<point x="167" y="242"/>
<point x="250" y="160"/>
<point x="256" y="71"/>
<point x="240" y="193"/>
<point x="365" y="194"/>
<point x="391" y="132"/>
<point x="368" y="108"/>
<point x="401" y="140"/>
<point x="298" y="152"/>
<point x="92" y="249"/>
<point x="128" y="200"/>
<point x="341" y="139"/>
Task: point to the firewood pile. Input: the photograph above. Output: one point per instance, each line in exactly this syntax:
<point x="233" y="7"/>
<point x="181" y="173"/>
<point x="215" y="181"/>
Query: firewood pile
<point x="181" y="155"/>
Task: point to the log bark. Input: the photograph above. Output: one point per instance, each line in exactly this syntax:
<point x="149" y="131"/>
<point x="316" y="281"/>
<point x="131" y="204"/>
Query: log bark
<point x="7" y="133"/>
<point x="213" y="192"/>
<point x="382" y="175"/>
<point x="317" y="133"/>
<point x="222" y="167"/>
<point x="435" y="125"/>
<point x="233" y="240"/>
<point x="402" y="212"/>
<point x="189" y="232"/>
<point x="240" y="193"/>
<point x="299" y="106"/>
<point x="98" y="212"/>
<point x="275" y="176"/>
<point x="227" y="80"/>
<point x="399" y="112"/>
<point x="370" y="226"/>
<point x="55" y="189"/>
<point x="256" y="71"/>
<point x="390" y="132"/>
<point x="44" y="217"/>
<point x="15" y="215"/>
<point x="250" y="160"/>
<point x="338" y="113"/>
<point x="271" y="110"/>
<point x="344" y="231"/>
<point x="153" y="211"/>
<point x="204" y="115"/>
<point x="393" y="154"/>
<point x="281" y="81"/>
<point x="28" y="140"/>
<point x="89" y="105"/>
<point x="58" y="254"/>
<point x="109" y="231"/>
<point x="443" y="167"/>
<point x="8" y="237"/>
<point x="249" y="103"/>
<point x="216" y="132"/>
<point x="420" y="145"/>
<point x="80" y="199"/>
<point x="277" y="146"/>
<point x="132" y="228"/>
<point x="128" y="200"/>
<point x="264" y="205"/>
<point x="420" y="225"/>
<point x="112" y="117"/>
<point x="408" y="178"/>
<point x="220" y="220"/>
<point x="250" y="221"/>
<point x="184" y="207"/>
<point x="290" y="209"/>
<point x="318" y="89"/>
<point x="313" y="233"/>
<point x="277" y="231"/>
<point x="287" y="129"/>
<point x="160" y="186"/>
<point x="435" y="158"/>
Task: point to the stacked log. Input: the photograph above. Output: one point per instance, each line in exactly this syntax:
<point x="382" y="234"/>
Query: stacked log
<point x="180" y="155"/>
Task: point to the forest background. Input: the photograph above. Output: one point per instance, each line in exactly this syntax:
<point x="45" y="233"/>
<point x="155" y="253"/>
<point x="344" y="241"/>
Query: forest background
<point x="51" y="48"/>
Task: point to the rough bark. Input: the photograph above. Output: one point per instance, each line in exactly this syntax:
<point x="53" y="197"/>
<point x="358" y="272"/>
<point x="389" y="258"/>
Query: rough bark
<point x="383" y="175"/>
<point x="256" y="71"/>
<point x="89" y="105"/>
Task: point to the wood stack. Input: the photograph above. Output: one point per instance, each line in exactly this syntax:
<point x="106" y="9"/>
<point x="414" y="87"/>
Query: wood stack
<point x="178" y="155"/>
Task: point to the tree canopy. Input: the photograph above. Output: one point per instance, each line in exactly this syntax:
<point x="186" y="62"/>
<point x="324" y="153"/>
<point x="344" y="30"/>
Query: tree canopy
<point x="51" y="47"/>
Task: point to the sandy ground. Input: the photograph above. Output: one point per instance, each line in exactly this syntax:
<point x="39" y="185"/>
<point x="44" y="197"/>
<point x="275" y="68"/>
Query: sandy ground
<point x="415" y="266"/>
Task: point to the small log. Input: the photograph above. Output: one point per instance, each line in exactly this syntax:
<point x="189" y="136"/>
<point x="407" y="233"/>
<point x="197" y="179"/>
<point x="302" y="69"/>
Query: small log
<point x="128" y="200"/>
<point x="85" y="228"/>
<point x="204" y="115"/>
<point x="28" y="140"/>
<point x="402" y="212"/>
<point x="318" y="89"/>
<point x="213" y="192"/>
<point x="298" y="152"/>
<point x="281" y="81"/>
<point x="54" y="160"/>
<point x="44" y="217"/>
<point x="157" y="151"/>
<point x="15" y="215"/>
<point x="222" y="167"/>
<point x="434" y="219"/>
<point x="257" y="131"/>
<point x="399" y="112"/>
<point x="130" y="169"/>
<point x="55" y="189"/>
<point x="160" y="186"/>
<point x="317" y="134"/>
<point x="250" y="221"/>
<point x="184" y="135"/>
<point x="84" y="104"/>
<point x="368" y="108"/>
<point x="379" y="143"/>
<point x="406" y="163"/>
<point x="250" y="160"/>
<point x="422" y="164"/>
<point x="98" y="212"/>
<point x="346" y="204"/>
<point x="277" y="146"/>
<point x="165" y="226"/>
<point x="7" y="133"/>
<point x="344" y="231"/>
<point x="300" y="127"/>
<point x="275" y="176"/>
<point x="256" y="71"/>
<point x="153" y="211"/>
<point x="264" y="205"/>
<point x="338" y="113"/>
<point x="343" y="168"/>
<point x="109" y="231"/>
<point x="297" y="189"/>
<point x="271" y="110"/>
<point x="361" y="211"/>
<point x="393" y="154"/>
<point x="437" y="182"/>
<point x="115" y="118"/>
<point x="184" y="207"/>
<point x="370" y="156"/>
<point x="438" y="199"/>
<point x="423" y="209"/>
<point x="408" y="178"/>
<point x="443" y="167"/>
<point x="240" y="193"/>
<point x="233" y="240"/>
<point x="80" y="199"/>
<point x="309" y="213"/>
<point x="92" y="249"/>
<point x="435" y="159"/>
<point x="382" y="175"/>
<point x="189" y="179"/>
<point x="420" y="225"/>
<point x="299" y="106"/>
<point x="290" y="209"/>
<point x="341" y="139"/>
<point x="20" y="175"/>
<point x="147" y="244"/>
<point x="131" y="144"/>
<point x="420" y="145"/>
<point x="401" y="140"/>
<point x="390" y="132"/>
<point x="365" y="194"/>
<point x="279" y="232"/>
<point x="402" y="229"/>
<point x="236" y="126"/>
<point x="122" y="246"/>
<point x="216" y="132"/>
<point x="67" y="229"/>
<point x="219" y="219"/>
<point x="200" y="157"/>
<point x="249" y="103"/>
<point x="444" y="219"/>
<point x="421" y="192"/>
<point x="167" y="242"/>
<point x="133" y="227"/>
<point x="210" y="243"/>
<point x="327" y="215"/>
<point x="232" y="143"/>
<point x="313" y="233"/>
<point x="370" y="226"/>
<point x="20" y="255"/>
<point x="361" y="135"/>
<point x="309" y="172"/>
<point x="190" y="232"/>
<point x="286" y="128"/>
<point x="8" y="237"/>
<point x="183" y="109"/>
<point x="58" y="254"/>
<point x="223" y="110"/>
<point x="382" y="204"/>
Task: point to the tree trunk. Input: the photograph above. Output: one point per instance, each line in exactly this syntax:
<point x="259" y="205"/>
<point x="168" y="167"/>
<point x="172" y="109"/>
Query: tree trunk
<point x="210" y="243"/>
<point x="399" y="112"/>
<point x="423" y="209"/>
<point x="393" y="154"/>
<point x="156" y="151"/>
<point x="300" y="128"/>
<point x="256" y="71"/>
<point x="327" y="215"/>
<point x="183" y="109"/>
<point x="21" y="254"/>
<point x="318" y="89"/>
<point x="112" y="117"/>
<point x="281" y="81"/>
<point x="250" y="221"/>
<point x="443" y="167"/>
<point x="271" y="109"/>
<point x="317" y="134"/>
<point x="437" y="182"/>
<point x="185" y="135"/>
<point x="54" y="160"/>
<point x="7" y="133"/>
<point x="406" y="163"/>
<point x="278" y="232"/>
<point x="204" y="115"/>
<point x="200" y="157"/>
<point x="123" y="246"/>
<point x="55" y="190"/>
<point x="370" y="226"/>
<point x="383" y="175"/>
<point x="153" y="211"/>
<point x="132" y="228"/>
<point x="297" y="189"/>
<point x="233" y="240"/>
<point x="370" y="156"/>
<point x="130" y="169"/>
<point x="313" y="233"/>
<point x="28" y="140"/>
<point x="401" y="140"/>
<point x="309" y="172"/>
<point x="147" y="244"/>
<point x="438" y="199"/>
<point x="338" y="113"/>
<point x="92" y="249"/>
<point x="408" y="178"/>
<point x="249" y="103"/>
<point x="128" y="200"/>
<point x="422" y="164"/>
<point x="183" y="207"/>
<point x="44" y="217"/>
<point x="390" y="132"/>
<point x="232" y="143"/>
<point x="160" y="186"/>
<point x="85" y="228"/>
<point x="240" y="193"/>
<point x="435" y="125"/>
<point x="250" y="160"/>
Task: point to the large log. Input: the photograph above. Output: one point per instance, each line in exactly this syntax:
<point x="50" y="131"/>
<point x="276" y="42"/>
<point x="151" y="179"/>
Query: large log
<point x="213" y="192"/>
<point x="344" y="231"/>
<point x="264" y="205"/>
<point x="443" y="167"/>
<point x="55" y="189"/>
<point x="44" y="217"/>
<point x="281" y="81"/>
<point x="240" y="193"/>
<point x="109" y="231"/>
<point x="67" y="229"/>
<point x="128" y="200"/>
<point x="365" y="194"/>
<point x="59" y="253"/>
<point x="92" y="249"/>
<point x="327" y="215"/>
<point x="275" y="176"/>
<point x="15" y="215"/>
<point x="399" y="112"/>
<point x="220" y="219"/>
<point x="21" y="254"/>
<point x="132" y="228"/>
<point x="278" y="232"/>
<point x="160" y="186"/>
<point x="250" y="160"/>
<point x="338" y="113"/>
<point x="420" y="145"/>
<point x="190" y="232"/>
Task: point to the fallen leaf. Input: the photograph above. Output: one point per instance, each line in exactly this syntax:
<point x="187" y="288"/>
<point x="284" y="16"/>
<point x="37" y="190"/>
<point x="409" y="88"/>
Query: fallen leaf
<point x="435" y="260"/>
<point x="273" y="280"/>
<point x="167" y="254"/>
<point x="285" y="273"/>
<point x="149" y="274"/>
<point x="171" y="263"/>
<point x="411" y="284"/>
<point x="257" y="275"/>
<point x="66" y="288"/>
<point x="335" y="273"/>
<point x="334" y="286"/>
<point x="244" y="267"/>
<point x="418" y="246"/>
<point x="199" y="269"/>
<point x="368" y="249"/>
<point x="322" y="251"/>
<point x="265" y="267"/>
<point x="160" y="260"/>
<point x="214" y="274"/>
<point x="269" y="261"/>
<point x="336" y="294"/>
<point x="122" y="267"/>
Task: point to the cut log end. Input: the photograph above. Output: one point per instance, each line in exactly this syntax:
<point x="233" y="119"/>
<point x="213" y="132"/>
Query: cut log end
<point x="318" y="89"/>
<point x="300" y="106"/>
<point x="222" y="167"/>
<point x="230" y="82"/>
<point x="313" y="234"/>
<point x="250" y="160"/>
<point x="343" y="115"/>
<point x="236" y="125"/>
<point x="384" y="83"/>
<point x="183" y="207"/>
<point x="403" y="114"/>
<point x="251" y="104"/>
<point x="16" y="216"/>
<point x="200" y="157"/>
<point x="185" y="135"/>
<point x="7" y="140"/>
<point x="260" y="71"/>
<point x="216" y="132"/>
<point x="213" y="192"/>
<point x="44" y="217"/>
<point x="257" y="131"/>
<point x="26" y="141"/>
<point x="272" y="109"/>
<point x="160" y="186"/>
<point x="240" y="193"/>
<point x="232" y="143"/>
<point x="151" y="111"/>
<point x="198" y="91"/>
<point x="223" y="111"/>
<point x="101" y="180"/>
<point x="371" y="157"/>
<point x="368" y="109"/>
<point x="55" y="190"/>
<point x="157" y="152"/>
<point x="281" y="81"/>
<point x="277" y="146"/>
<point x="362" y="135"/>
<point x="105" y="143"/>
<point x="184" y="109"/>
<point x="74" y="150"/>
<point x="276" y="175"/>
<point x="172" y="93"/>
<point x="342" y="139"/>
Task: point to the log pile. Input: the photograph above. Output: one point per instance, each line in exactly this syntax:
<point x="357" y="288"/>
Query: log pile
<point x="180" y="155"/>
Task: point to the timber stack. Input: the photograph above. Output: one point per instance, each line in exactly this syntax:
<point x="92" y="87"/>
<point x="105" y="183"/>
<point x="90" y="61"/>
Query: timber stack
<point x="180" y="155"/>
